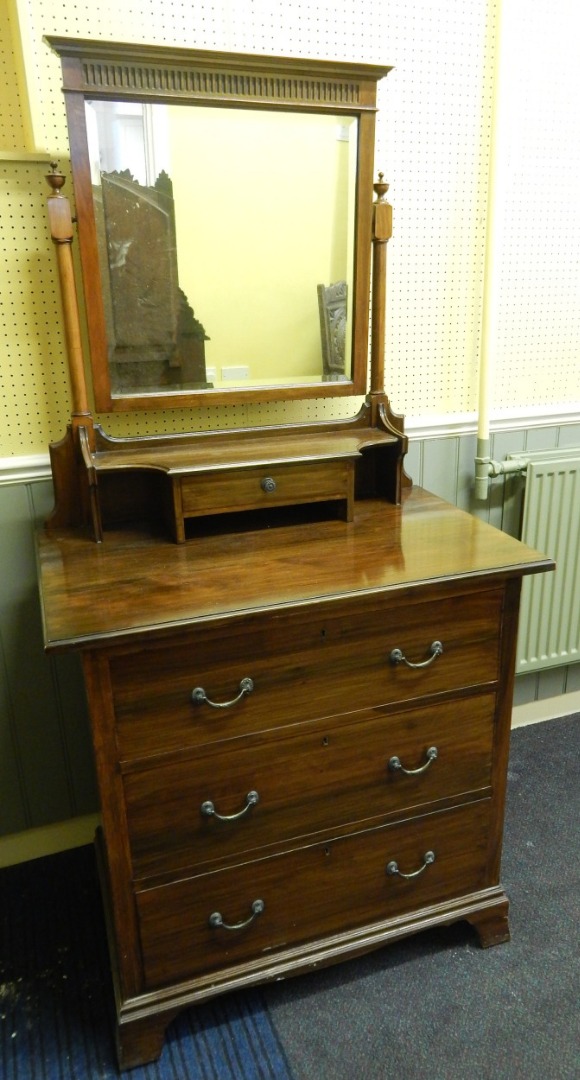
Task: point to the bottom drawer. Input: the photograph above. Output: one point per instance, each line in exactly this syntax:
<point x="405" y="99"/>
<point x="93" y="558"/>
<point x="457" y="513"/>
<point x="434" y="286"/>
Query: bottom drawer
<point x="311" y="892"/>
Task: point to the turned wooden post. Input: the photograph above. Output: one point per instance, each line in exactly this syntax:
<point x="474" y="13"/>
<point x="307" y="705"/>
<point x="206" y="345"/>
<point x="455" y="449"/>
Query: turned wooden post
<point x="61" y="229"/>
<point x="74" y="477"/>
<point x="382" y="232"/>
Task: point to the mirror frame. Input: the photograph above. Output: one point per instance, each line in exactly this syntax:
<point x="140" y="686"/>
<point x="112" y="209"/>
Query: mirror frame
<point x="132" y="72"/>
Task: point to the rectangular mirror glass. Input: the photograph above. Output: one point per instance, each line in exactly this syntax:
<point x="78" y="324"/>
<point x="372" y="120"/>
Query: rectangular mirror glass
<point x="226" y="242"/>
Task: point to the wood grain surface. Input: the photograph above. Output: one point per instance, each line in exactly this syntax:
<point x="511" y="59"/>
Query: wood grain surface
<point x="134" y="583"/>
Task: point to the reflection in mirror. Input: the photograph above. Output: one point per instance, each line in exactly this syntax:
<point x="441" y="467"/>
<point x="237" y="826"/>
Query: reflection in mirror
<point x="226" y="244"/>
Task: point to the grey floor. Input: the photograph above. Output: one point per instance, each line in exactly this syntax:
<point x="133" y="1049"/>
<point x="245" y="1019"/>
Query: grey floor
<point x="437" y="1005"/>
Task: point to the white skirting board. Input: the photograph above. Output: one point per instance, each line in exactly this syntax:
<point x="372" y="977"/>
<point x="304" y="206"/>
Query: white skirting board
<point x="48" y="840"/>
<point x="549" y="709"/>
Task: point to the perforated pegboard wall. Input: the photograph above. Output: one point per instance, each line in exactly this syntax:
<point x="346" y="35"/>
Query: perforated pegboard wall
<point x="12" y="112"/>
<point x="33" y="370"/>
<point x="434" y="139"/>
<point x="538" y="235"/>
<point x="432" y="143"/>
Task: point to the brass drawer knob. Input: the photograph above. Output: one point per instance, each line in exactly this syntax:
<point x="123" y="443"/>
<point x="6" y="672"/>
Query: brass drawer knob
<point x="395" y="763"/>
<point x="216" y="919"/>
<point x="393" y="866"/>
<point x="208" y="809"/>
<point x="199" y="696"/>
<point x="398" y="657"/>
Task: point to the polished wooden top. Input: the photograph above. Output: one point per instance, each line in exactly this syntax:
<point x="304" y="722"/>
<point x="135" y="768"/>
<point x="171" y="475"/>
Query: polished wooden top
<point x="207" y="455"/>
<point x="134" y="584"/>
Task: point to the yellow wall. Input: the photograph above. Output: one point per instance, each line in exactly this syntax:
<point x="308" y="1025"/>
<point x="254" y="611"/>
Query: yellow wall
<point x="254" y="289"/>
<point x="433" y="138"/>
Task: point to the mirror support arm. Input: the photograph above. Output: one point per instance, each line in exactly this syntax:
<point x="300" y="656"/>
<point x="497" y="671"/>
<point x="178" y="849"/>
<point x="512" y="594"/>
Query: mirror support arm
<point x="61" y="229"/>
<point x="75" y="488"/>
<point x="382" y="232"/>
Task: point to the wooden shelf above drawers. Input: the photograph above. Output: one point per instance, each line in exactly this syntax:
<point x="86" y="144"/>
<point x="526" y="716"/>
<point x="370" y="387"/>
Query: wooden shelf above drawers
<point x="184" y="477"/>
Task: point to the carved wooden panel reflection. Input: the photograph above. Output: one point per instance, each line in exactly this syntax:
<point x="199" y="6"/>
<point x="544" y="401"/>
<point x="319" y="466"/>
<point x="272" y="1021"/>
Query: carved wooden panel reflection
<point x="155" y="341"/>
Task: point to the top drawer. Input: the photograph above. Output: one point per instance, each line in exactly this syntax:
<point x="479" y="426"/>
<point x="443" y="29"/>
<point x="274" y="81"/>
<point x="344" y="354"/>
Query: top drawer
<point x="303" y="665"/>
<point x="263" y="486"/>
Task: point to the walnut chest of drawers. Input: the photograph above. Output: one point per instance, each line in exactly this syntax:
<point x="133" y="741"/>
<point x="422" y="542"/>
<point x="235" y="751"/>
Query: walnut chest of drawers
<point x="301" y="737"/>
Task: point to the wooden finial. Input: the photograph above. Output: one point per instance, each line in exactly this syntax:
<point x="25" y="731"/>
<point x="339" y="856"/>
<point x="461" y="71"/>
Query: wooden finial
<point x="56" y="180"/>
<point x="380" y="187"/>
<point x="382" y="212"/>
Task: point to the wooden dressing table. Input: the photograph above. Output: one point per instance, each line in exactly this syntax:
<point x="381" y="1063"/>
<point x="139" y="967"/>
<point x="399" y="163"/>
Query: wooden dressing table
<point x="300" y="716"/>
<point x="325" y="770"/>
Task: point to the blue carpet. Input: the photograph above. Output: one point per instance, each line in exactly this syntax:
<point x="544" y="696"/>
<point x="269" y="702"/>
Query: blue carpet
<point x="56" y="996"/>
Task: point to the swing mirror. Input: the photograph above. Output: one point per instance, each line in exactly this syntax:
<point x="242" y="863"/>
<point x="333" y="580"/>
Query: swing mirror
<point x="224" y="217"/>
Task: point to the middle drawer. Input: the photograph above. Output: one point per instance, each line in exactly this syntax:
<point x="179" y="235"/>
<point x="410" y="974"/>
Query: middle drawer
<point x="313" y="777"/>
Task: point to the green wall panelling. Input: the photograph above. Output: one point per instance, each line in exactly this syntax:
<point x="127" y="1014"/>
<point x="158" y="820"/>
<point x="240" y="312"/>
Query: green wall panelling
<point x="467" y="449"/>
<point x="572" y="678"/>
<point x="526" y="688"/>
<point x="440" y="461"/>
<point x="545" y="438"/>
<point x="70" y="696"/>
<point x="503" y="443"/>
<point x="542" y="685"/>
<point x="33" y="713"/>
<point x="551" y="683"/>
<point x="569" y="435"/>
<point x="413" y="461"/>
<point x="35" y="720"/>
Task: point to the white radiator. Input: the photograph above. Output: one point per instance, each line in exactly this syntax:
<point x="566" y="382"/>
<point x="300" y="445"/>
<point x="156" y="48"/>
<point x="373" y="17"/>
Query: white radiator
<point x="549" y="632"/>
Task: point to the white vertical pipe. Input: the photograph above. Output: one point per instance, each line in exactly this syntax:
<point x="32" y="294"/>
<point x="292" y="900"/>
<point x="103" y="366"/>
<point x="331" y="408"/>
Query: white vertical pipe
<point x="488" y="337"/>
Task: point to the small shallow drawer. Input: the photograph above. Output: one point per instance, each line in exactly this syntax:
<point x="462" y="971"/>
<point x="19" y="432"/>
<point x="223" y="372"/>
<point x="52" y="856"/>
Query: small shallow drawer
<point x="302" y="666"/>
<point x="311" y="893"/>
<point x="265" y="486"/>
<point x="319" y="776"/>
